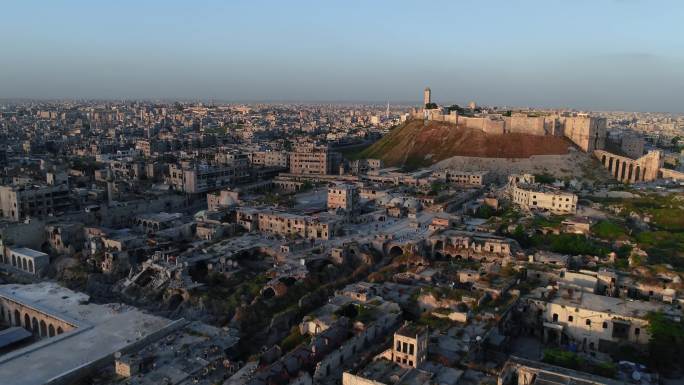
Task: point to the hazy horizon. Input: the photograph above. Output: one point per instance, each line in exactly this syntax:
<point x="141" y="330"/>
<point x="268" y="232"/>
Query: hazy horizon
<point x="617" y="55"/>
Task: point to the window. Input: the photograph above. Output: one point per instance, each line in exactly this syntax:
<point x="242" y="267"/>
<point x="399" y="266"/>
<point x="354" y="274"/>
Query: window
<point x="605" y="325"/>
<point x="411" y="349"/>
<point x="637" y="331"/>
<point x="555" y="317"/>
<point x="570" y="318"/>
<point x="588" y="322"/>
<point x="410" y="363"/>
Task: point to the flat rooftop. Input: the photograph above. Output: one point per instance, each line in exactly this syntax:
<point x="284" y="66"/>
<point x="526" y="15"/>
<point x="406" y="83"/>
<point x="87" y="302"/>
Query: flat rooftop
<point x="101" y="331"/>
<point x="619" y="306"/>
<point x="25" y="251"/>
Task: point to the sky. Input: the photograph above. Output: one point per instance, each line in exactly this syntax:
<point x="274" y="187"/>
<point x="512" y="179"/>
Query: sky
<point x="584" y="54"/>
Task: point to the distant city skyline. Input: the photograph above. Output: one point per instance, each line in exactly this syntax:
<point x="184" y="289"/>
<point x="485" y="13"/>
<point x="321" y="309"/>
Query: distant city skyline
<point x="590" y="55"/>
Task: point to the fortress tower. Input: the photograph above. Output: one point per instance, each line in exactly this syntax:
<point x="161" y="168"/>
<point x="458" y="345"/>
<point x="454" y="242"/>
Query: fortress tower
<point x="427" y="96"/>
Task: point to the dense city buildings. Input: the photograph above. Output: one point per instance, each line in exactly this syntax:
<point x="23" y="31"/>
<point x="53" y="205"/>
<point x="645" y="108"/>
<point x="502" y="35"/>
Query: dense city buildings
<point x="208" y="243"/>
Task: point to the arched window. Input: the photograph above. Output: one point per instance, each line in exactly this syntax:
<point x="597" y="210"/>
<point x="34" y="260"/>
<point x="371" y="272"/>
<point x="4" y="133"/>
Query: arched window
<point x="59" y="330"/>
<point x="51" y="330"/>
<point x="35" y="327"/>
<point x="30" y="266"/>
<point x="43" y="329"/>
<point x="555" y="317"/>
<point x="27" y="322"/>
<point x="588" y="322"/>
<point x="17" y="318"/>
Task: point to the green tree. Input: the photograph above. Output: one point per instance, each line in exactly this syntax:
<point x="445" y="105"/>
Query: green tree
<point x="666" y="345"/>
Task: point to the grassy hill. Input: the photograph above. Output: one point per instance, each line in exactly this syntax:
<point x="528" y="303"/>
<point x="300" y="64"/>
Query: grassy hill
<point x="417" y="143"/>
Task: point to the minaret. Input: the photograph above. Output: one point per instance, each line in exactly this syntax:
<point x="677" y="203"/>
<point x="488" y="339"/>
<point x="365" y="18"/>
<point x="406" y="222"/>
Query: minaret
<point x="387" y="112"/>
<point x="426" y="96"/>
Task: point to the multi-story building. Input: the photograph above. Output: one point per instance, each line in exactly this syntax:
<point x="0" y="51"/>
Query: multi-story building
<point x="270" y="159"/>
<point x="409" y="347"/>
<point x="463" y="178"/>
<point x="537" y="197"/>
<point x="593" y="322"/>
<point x="286" y="224"/>
<point x="203" y="178"/>
<point x="343" y="196"/>
<point x="362" y="166"/>
<point x="530" y="196"/>
<point x="29" y="200"/>
<point x="317" y="160"/>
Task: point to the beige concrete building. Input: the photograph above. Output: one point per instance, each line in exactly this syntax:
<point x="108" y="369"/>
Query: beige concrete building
<point x="312" y="159"/>
<point x="594" y="322"/>
<point x="529" y="195"/>
<point x="343" y="196"/>
<point x="286" y="224"/>
<point x="552" y="200"/>
<point x="21" y="201"/>
<point x="270" y="159"/>
<point x="464" y="178"/>
<point x="459" y="244"/>
<point x="193" y="179"/>
<point x="73" y="337"/>
<point x="520" y="371"/>
<point x="27" y="260"/>
<point x="222" y="199"/>
<point x="409" y="347"/>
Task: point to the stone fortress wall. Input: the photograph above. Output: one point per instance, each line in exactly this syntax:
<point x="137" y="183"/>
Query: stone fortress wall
<point x="587" y="132"/>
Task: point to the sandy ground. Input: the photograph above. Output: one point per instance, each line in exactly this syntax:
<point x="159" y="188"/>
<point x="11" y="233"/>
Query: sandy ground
<point x="571" y="165"/>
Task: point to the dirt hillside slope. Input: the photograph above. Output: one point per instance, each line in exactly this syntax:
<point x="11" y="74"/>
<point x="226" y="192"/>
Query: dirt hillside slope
<point x="417" y="143"/>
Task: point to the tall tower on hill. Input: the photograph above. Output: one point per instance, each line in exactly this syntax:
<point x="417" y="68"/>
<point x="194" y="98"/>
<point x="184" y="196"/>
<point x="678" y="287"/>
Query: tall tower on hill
<point x="427" y="96"/>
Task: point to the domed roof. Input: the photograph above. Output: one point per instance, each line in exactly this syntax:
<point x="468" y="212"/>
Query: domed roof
<point x="383" y="200"/>
<point x="397" y="201"/>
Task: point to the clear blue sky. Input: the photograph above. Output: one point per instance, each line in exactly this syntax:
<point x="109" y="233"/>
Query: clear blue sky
<point x="593" y="54"/>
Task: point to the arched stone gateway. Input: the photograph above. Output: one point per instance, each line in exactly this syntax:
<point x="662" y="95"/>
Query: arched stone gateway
<point x="395" y="251"/>
<point x="268" y="293"/>
<point x="627" y="170"/>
